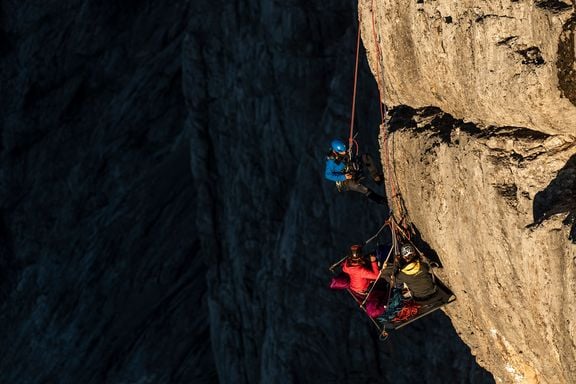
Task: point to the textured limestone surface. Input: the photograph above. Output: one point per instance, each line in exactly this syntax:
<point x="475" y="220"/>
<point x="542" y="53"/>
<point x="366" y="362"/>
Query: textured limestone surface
<point x="494" y="203"/>
<point x="495" y="62"/>
<point x="483" y="146"/>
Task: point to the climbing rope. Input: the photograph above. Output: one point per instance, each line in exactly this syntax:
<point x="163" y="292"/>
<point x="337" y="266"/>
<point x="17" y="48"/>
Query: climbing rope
<point x="386" y="223"/>
<point x="351" y="140"/>
<point x="390" y="185"/>
<point x="394" y="201"/>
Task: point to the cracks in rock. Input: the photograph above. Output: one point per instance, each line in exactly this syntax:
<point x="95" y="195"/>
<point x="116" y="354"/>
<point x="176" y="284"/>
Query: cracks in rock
<point x="507" y="41"/>
<point x="481" y="18"/>
<point x="508" y="192"/>
<point x="514" y="133"/>
<point x="532" y="55"/>
<point x="566" y="64"/>
<point x="559" y="197"/>
<point x="508" y="146"/>
<point x="530" y="143"/>
<point x="429" y="119"/>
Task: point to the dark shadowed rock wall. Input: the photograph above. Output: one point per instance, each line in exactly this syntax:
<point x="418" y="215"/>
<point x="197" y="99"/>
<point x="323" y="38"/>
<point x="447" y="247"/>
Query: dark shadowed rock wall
<point x="275" y="87"/>
<point x="101" y="279"/>
<point x="163" y="215"/>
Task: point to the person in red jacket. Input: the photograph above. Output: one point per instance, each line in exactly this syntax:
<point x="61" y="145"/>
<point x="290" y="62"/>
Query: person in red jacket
<point x="361" y="272"/>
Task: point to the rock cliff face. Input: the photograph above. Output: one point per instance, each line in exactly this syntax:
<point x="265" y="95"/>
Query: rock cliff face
<point x="100" y="278"/>
<point x="483" y="147"/>
<point x="164" y="219"/>
<point x="503" y="63"/>
<point x="275" y="88"/>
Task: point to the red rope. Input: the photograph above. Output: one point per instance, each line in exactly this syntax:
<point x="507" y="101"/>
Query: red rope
<point x="351" y="137"/>
<point x="392" y="195"/>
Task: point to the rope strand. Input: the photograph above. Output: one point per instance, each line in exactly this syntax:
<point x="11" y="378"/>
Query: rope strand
<point x="351" y="137"/>
<point x="390" y="185"/>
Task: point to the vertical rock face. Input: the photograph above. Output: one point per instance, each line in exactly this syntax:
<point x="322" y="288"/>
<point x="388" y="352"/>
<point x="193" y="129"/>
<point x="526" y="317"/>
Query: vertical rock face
<point x="266" y="93"/>
<point x="143" y="144"/>
<point x="99" y="265"/>
<point x="496" y="62"/>
<point x="483" y="148"/>
<point x="163" y="213"/>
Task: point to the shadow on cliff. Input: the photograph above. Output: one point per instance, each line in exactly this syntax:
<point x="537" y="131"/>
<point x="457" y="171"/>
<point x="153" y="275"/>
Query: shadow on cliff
<point x="423" y="246"/>
<point x="559" y="197"/>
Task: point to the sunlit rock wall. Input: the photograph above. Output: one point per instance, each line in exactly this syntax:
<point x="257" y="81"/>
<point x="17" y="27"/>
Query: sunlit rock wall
<point x="495" y="62"/>
<point x="483" y="151"/>
<point x="494" y="205"/>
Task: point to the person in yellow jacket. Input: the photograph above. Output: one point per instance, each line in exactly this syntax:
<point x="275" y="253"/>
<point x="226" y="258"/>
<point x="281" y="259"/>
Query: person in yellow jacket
<point x="409" y="269"/>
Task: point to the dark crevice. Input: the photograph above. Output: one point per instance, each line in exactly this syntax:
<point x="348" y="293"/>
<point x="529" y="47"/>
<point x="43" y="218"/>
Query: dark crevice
<point x="532" y="56"/>
<point x="514" y="132"/>
<point x="481" y="18"/>
<point x="429" y="119"/>
<point x="567" y="60"/>
<point x="559" y="197"/>
<point x="571" y="220"/>
<point x="507" y="40"/>
<point x="553" y="5"/>
<point x="509" y="192"/>
<point x="423" y="246"/>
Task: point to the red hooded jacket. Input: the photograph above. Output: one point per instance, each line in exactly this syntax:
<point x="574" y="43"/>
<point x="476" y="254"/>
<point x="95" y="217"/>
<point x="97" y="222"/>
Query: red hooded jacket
<point x="361" y="276"/>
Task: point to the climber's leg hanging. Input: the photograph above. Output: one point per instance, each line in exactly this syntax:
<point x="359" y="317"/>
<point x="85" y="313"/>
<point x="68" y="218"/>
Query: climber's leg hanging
<point x="352" y="185"/>
<point x="373" y="170"/>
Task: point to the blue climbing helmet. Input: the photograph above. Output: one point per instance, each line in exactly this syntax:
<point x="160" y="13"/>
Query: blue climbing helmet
<point x="338" y="145"/>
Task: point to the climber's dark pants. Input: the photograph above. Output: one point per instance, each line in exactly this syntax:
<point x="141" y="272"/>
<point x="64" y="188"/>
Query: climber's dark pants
<point x="353" y="185"/>
<point x="433" y="298"/>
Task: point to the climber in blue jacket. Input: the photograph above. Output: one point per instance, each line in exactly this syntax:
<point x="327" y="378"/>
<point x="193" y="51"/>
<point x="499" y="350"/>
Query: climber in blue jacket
<point x="346" y="173"/>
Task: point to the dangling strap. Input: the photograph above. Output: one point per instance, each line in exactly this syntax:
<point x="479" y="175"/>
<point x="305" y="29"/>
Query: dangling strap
<point x="387" y="222"/>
